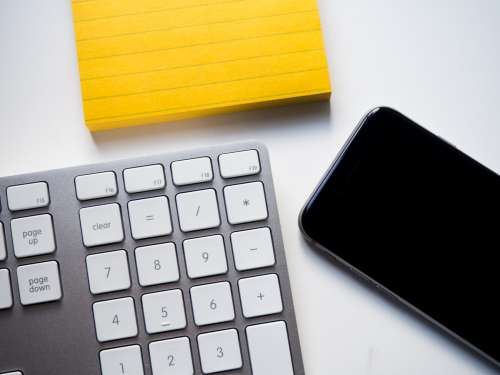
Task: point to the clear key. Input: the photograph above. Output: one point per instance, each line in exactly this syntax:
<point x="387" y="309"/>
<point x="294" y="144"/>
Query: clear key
<point x="101" y="225"/>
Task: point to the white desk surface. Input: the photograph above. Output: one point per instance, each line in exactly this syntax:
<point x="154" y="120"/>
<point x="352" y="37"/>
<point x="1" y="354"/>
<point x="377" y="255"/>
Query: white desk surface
<point x="435" y="60"/>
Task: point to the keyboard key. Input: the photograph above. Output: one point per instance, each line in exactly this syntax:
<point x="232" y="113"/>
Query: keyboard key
<point x="122" y="361"/>
<point x="212" y="303"/>
<point x="24" y="197"/>
<point x="115" y="319"/>
<point x="171" y="357"/>
<point x="164" y="311"/>
<point x="157" y="264"/>
<point x="198" y="210"/>
<point x="3" y="248"/>
<point x="5" y="290"/>
<point x="150" y="177"/>
<point x="192" y="171"/>
<point x="252" y="249"/>
<point x="269" y="349"/>
<point x="260" y="295"/>
<point x="97" y="185"/>
<point x="242" y="163"/>
<point x="220" y="351"/>
<point x="101" y="225"/>
<point x="245" y="203"/>
<point x="33" y="235"/>
<point x="12" y="373"/>
<point x="150" y="217"/>
<point x="205" y="256"/>
<point x="39" y="283"/>
<point x="108" y="272"/>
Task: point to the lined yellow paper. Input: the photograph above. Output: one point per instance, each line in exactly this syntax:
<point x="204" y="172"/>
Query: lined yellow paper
<point x="146" y="61"/>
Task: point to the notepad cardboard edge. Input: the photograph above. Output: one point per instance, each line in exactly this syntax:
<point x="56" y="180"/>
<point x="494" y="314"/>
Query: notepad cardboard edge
<point x="131" y="121"/>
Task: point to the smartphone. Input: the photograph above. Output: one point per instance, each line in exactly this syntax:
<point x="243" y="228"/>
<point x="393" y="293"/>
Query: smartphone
<point x="418" y="218"/>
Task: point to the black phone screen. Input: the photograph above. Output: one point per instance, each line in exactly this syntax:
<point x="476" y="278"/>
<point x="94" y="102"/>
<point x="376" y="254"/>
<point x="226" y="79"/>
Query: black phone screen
<point x="418" y="217"/>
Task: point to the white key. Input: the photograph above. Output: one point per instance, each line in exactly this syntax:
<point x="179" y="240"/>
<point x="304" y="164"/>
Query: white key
<point x="24" y="197"/>
<point x="108" y="272"/>
<point x="122" y="361"/>
<point x="150" y="177"/>
<point x="157" y="264"/>
<point x="198" y="210"/>
<point x="192" y="171"/>
<point x="164" y="311"/>
<point x="242" y="163"/>
<point x="150" y="217"/>
<point x="39" y="283"/>
<point x="115" y="319"/>
<point x="97" y="185"/>
<point x="260" y="295"/>
<point x="5" y="290"/>
<point x="269" y="349"/>
<point x="101" y="225"/>
<point x="220" y="351"/>
<point x="252" y="249"/>
<point x="13" y="373"/>
<point x="33" y="235"/>
<point x="171" y="357"/>
<point x="212" y="303"/>
<point x="3" y="249"/>
<point x="245" y="203"/>
<point x="205" y="256"/>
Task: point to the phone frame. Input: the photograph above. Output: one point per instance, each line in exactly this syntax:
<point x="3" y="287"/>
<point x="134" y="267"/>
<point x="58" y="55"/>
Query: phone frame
<point x="358" y="273"/>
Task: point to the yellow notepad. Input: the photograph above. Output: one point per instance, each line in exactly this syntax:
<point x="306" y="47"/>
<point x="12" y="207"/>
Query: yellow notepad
<point x="147" y="61"/>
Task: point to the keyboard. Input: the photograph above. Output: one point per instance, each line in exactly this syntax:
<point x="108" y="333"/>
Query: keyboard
<point x="163" y="265"/>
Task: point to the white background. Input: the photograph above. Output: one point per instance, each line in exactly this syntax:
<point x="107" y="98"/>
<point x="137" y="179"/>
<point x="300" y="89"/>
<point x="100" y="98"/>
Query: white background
<point x="436" y="61"/>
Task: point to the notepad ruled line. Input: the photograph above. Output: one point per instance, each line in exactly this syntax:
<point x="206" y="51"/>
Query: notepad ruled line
<point x="282" y="95"/>
<point x="206" y="84"/>
<point x="248" y="58"/>
<point x="196" y="25"/>
<point x="199" y="44"/>
<point x="158" y="10"/>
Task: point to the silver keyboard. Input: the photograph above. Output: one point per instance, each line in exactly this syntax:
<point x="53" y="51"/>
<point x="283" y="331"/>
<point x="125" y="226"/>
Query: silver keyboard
<point x="172" y="264"/>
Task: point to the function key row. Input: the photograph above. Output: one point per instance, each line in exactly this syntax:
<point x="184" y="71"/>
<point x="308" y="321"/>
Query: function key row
<point x="138" y="179"/>
<point x="151" y="217"/>
<point x="157" y="264"/>
<point x="152" y="177"/>
<point x="164" y="311"/>
<point x="268" y="345"/>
